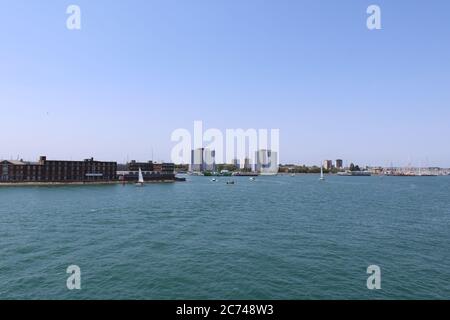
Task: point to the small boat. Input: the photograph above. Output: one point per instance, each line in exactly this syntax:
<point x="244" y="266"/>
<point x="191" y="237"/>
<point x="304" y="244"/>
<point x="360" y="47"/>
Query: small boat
<point x="252" y="179"/>
<point x="293" y="175"/>
<point x="213" y="180"/>
<point x="230" y="182"/>
<point x="322" y="178"/>
<point x="140" y="182"/>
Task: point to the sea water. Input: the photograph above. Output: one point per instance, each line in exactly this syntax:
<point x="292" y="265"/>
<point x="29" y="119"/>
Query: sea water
<point x="277" y="237"/>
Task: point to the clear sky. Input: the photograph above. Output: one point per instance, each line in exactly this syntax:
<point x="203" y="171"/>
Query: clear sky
<point x="137" y="70"/>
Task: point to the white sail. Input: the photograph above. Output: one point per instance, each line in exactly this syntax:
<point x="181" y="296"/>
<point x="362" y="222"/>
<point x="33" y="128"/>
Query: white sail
<point x="321" y="173"/>
<point x="141" y="177"/>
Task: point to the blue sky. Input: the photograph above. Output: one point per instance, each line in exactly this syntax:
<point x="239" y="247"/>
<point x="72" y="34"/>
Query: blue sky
<point x="137" y="70"/>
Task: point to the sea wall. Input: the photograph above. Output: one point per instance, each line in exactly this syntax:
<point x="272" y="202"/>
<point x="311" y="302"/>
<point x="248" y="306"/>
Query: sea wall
<point x="36" y="184"/>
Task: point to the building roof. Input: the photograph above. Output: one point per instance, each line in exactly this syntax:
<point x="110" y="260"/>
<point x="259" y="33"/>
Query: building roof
<point x="14" y="162"/>
<point x="20" y="162"/>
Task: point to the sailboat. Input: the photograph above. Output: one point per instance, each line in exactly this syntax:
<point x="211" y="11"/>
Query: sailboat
<point x="322" y="178"/>
<point x="141" y="179"/>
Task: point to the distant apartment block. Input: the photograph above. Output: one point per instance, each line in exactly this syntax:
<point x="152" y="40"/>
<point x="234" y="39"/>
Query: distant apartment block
<point x="328" y="164"/>
<point x="236" y="163"/>
<point x="210" y="160"/>
<point x="266" y="162"/>
<point x="197" y="160"/>
<point x="339" y="164"/>
<point x="247" y="164"/>
<point x="202" y="160"/>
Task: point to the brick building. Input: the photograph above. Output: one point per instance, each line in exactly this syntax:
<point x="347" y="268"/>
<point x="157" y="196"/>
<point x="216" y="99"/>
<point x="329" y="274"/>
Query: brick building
<point x="151" y="171"/>
<point x="45" y="170"/>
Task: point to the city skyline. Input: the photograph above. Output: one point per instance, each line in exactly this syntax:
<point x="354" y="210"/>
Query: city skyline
<point x="198" y="162"/>
<point x="136" y="72"/>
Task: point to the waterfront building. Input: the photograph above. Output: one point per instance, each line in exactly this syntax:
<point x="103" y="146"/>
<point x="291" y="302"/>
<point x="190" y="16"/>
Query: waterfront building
<point x="328" y="164"/>
<point x="151" y="171"/>
<point x="376" y="170"/>
<point x="133" y="165"/>
<point x="236" y="163"/>
<point x="266" y="162"/>
<point x="181" y="168"/>
<point x="339" y="164"/>
<point x="45" y="170"/>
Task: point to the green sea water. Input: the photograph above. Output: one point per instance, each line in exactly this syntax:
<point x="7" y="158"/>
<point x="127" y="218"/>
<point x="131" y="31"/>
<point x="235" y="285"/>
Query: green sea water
<point x="274" y="238"/>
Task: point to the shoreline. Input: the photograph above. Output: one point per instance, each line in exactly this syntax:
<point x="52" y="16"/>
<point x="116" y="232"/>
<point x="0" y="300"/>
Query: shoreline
<point x="97" y="183"/>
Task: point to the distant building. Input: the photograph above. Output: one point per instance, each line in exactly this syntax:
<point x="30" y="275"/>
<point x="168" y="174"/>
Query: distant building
<point x="135" y="166"/>
<point x="202" y="160"/>
<point x="182" y="168"/>
<point x="62" y="171"/>
<point x="328" y="164"/>
<point x="266" y="162"/>
<point x="339" y="164"/>
<point x="247" y="165"/>
<point x="197" y="160"/>
<point x="376" y="170"/>
<point x="210" y="160"/>
<point x="150" y="166"/>
<point x="151" y="171"/>
<point x="236" y="163"/>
